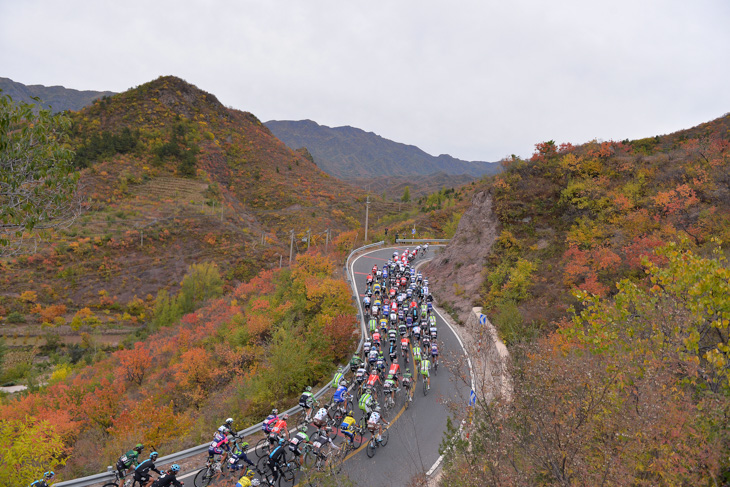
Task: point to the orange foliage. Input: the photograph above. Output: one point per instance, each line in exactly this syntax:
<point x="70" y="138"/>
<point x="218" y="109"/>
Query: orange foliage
<point x="133" y="363"/>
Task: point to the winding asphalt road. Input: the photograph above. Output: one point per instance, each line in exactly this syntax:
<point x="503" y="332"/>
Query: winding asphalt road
<point x="415" y="433"/>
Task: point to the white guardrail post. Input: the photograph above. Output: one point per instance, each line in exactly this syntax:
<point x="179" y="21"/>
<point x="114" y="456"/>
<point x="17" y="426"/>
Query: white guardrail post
<point x="196" y="450"/>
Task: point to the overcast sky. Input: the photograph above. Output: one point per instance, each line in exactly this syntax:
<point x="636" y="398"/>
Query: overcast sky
<point x="475" y="79"/>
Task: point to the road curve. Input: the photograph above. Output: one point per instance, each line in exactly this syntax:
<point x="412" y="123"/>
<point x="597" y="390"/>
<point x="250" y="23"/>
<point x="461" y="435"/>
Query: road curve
<point x="416" y="434"/>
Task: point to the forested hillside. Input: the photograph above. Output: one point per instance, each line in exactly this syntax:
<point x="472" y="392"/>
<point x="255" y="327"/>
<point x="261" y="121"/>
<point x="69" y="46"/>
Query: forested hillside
<point x="608" y="281"/>
<point x="110" y="319"/>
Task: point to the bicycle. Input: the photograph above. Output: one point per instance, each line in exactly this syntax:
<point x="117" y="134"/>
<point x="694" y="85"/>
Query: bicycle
<point x="375" y="443"/>
<point x="119" y="478"/>
<point x="425" y="385"/>
<point x="303" y="420"/>
<point x="206" y="475"/>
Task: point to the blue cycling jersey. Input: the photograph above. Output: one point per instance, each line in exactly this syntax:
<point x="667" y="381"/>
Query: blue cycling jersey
<point x="339" y="394"/>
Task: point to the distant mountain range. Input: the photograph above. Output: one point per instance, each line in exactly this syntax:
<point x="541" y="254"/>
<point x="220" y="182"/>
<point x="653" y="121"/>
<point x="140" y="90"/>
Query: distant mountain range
<point x="351" y="153"/>
<point x="56" y="97"/>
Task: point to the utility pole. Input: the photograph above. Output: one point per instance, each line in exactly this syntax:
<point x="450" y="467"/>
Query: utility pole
<point x="309" y="237"/>
<point x="367" y="211"/>
<point x="291" y="247"/>
<point x="327" y="240"/>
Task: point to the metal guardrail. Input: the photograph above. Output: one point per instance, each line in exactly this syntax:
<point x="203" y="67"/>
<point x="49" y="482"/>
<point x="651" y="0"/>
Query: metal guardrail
<point x="419" y="240"/>
<point x="196" y="450"/>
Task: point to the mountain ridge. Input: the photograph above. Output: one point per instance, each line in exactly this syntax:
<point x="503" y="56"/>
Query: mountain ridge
<point x="349" y="152"/>
<point x="58" y="98"/>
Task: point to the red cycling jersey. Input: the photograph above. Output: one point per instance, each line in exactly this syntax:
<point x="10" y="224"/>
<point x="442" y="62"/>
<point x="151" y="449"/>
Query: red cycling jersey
<point x="279" y="426"/>
<point x="394" y="369"/>
<point x="373" y="379"/>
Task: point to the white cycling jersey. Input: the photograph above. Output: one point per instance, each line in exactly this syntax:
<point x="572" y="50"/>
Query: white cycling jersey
<point x="321" y="414"/>
<point x="374" y="418"/>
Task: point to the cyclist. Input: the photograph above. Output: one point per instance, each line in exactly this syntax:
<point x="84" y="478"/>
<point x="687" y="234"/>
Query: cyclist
<point x="373" y="379"/>
<point x="168" y="478"/>
<point x="376" y="339"/>
<point x="394" y="370"/>
<point x="339" y="397"/>
<point x="320" y="418"/>
<point x="131" y="457"/>
<point x="339" y="376"/>
<point x="270" y="420"/>
<point x="389" y="387"/>
<point x="348" y="427"/>
<point x="355" y="363"/>
<point x="248" y="480"/>
<point x="407" y="377"/>
<point x="416" y="332"/>
<point x="416" y="354"/>
<point x="372" y="325"/>
<point x="425" y="367"/>
<point x="366" y="401"/>
<point x="373" y="356"/>
<point x="434" y="352"/>
<point x="366" y="303"/>
<point x="219" y="445"/>
<point x="47" y="477"/>
<point x="229" y="425"/>
<point x="426" y="343"/>
<point x="374" y="422"/>
<point x="276" y="458"/>
<point x="405" y="344"/>
<point x="142" y="472"/>
<point x="393" y="351"/>
<point x="280" y="429"/>
<point x="238" y="452"/>
<point x="296" y="443"/>
<point x="360" y="375"/>
<point x="392" y="335"/>
<point x="305" y="402"/>
<point x="366" y="346"/>
<point x="434" y="332"/>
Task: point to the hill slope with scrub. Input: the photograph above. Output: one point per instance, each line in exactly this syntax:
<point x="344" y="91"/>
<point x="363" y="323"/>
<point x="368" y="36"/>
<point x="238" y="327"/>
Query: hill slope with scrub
<point x="607" y="278"/>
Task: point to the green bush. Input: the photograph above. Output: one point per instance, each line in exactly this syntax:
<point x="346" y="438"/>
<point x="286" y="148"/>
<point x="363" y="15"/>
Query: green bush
<point x="15" y="317"/>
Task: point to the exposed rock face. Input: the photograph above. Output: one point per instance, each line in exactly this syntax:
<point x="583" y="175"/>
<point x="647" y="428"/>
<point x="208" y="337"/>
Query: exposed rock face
<point x="455" y="275"/>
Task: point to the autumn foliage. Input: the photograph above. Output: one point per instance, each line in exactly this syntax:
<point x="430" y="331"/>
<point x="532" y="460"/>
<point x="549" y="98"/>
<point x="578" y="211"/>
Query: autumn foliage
<point x="236" y="355"/>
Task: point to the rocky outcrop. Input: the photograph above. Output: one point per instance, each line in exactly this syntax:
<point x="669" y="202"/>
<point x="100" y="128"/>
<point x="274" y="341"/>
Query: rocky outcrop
<point x="455" y="275"/>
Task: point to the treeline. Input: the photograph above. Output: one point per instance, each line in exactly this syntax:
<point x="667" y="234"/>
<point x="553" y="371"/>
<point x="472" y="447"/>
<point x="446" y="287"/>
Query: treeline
<point x="106" y="144"/>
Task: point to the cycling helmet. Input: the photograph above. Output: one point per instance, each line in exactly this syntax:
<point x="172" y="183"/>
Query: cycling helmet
<point x="49" y="475"/>
<point x="223" y="429"/>
<point x="285" y="416"/>
<point x="408" y="370"/>
<point x="250" y="474"/>
<point x="377" y="408"/>
<point x="350" y="414"/>
<point x="229" y="421"/>
<point x="343" y="382"/>
<point x="326" y="406"/>
<point x="309" y="389"/>
<point x="154" y="455"/>
<point x="139" y="447"/>
<point x="282" y="440"/>
<point x="175" y="467"/>
<point x="274" y="411"/>
<point x="255" y="482"/>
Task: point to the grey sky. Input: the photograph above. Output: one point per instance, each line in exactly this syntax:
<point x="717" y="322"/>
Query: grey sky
<point x="475" y="79"/>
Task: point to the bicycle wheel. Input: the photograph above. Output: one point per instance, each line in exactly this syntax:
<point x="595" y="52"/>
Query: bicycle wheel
<point x="385" y="436"/>
<point x="111" y="484"/>
<point x="302" y="421"/>
<point x="309" y="457"/>
<point x="370" y="450"/>
<point x="407" y="398"/>
<point x="436" y="368"/>
<point x="287" y="476"/>
<point x="262" y="447"/>
<point x="358" y="439"/>
<point x="204" y="477"/>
